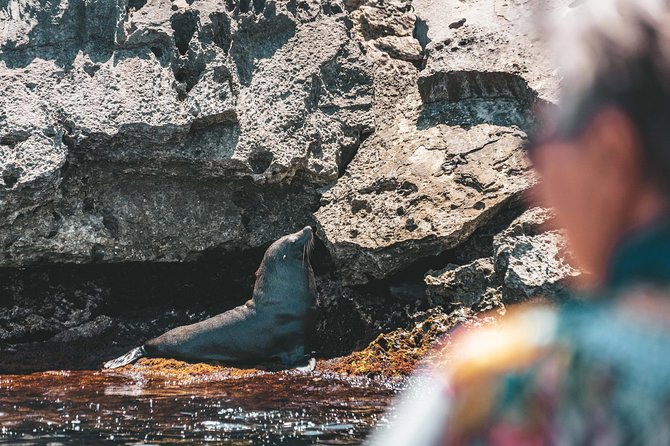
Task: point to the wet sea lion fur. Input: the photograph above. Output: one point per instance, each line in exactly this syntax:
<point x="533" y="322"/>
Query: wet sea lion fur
<point x="272" y="325"/>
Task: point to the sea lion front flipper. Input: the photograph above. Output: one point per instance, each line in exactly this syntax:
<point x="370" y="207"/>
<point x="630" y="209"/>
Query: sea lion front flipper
<point x="308" y="368"/>
<point x="131" y="356"/>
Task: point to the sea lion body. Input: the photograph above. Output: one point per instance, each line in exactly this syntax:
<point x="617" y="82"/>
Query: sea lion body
<point x="272" y="325"/>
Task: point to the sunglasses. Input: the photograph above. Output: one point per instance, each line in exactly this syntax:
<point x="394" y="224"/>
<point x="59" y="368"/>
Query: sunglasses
<point x="559" y="125"/>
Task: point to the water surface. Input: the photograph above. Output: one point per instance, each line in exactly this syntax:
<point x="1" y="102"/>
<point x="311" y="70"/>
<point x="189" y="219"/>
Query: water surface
<point x="284" y="408"/>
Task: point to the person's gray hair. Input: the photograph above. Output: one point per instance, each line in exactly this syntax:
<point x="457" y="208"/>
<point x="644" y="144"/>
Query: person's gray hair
<point x="617" y="53"/>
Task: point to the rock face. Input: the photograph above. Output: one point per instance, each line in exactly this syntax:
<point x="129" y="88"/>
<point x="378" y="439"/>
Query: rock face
<point x="473" y="51"/>
<point x="464" y="285"/>
<point x="152" y="131"/>
<point x="446" y="155"/>
<point x="141" y="139"/>
<point x="529" y="261"/>
<point x="532" y="261"/>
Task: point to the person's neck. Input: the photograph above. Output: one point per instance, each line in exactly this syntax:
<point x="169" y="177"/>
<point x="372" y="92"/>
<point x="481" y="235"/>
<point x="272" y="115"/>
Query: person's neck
<point x="646" y="209"/>
<point x="643" y="212"/>
<point x="635" y="255"/>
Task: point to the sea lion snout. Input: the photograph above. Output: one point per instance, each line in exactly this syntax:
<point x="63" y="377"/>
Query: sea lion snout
<point x="300" y="244"/>
<point x="295" y="246"/>
<point x="301" y="238"/>
<point x="305" y="235"/>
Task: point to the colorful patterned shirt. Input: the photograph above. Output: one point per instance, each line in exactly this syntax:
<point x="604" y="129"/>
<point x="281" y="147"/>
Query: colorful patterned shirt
<point x="595" y="371"/>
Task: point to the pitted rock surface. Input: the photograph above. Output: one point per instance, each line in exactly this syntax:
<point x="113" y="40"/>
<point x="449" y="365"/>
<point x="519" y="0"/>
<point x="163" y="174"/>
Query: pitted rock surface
<point x="532" y="260"/>
<point x="131" y="131"/>
<point x="141" y="139"/>
<point x="474" y="50"/>
<point x="447" y="153"/>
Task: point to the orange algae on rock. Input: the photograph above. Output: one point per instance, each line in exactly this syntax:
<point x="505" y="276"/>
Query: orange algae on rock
<point x="391" y="355"/>
<point x="400" y="352"/>
<point x="180" y="371"/>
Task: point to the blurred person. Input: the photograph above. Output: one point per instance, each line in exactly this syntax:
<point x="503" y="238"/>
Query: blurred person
<point x="595" y="370"/>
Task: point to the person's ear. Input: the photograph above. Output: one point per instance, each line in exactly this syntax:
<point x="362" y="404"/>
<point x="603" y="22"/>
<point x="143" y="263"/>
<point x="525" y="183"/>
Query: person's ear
<point x="614" y="149"/>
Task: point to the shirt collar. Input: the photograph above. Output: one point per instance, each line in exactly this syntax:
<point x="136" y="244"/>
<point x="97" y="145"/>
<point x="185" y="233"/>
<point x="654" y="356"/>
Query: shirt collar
<point x="642" y="258"/>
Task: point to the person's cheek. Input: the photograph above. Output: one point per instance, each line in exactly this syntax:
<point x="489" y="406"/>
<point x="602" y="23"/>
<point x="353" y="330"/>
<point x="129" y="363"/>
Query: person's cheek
<point x="550" y="189"/>
<point x="562" y="188"/>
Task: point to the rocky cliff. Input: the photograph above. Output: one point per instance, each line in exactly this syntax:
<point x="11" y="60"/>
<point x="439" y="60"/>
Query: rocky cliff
<point x="153" y="131"/>
<point x="150" y="150"/>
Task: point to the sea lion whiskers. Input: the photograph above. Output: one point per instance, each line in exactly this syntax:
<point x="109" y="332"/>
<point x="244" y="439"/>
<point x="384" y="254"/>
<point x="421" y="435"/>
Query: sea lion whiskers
<point x="307" y="250"/>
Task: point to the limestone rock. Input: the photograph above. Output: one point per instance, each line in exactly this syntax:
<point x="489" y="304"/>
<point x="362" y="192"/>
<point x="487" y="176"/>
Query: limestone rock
<point x="531" y="261"/>
<point x="155" y="131"/>
<point x="427" y="178"/>
<point x="446" y="155"/>
<point x="404" y="48"/>
<point x="424" y="194"/>
<point x="487" y="49"/>
<point x="462" y="285"/>
<point x="387" y="29"/>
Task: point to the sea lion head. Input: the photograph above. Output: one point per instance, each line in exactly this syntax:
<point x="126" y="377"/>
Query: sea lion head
<point x="286" y="265"/>
<point x="296" y="246"/>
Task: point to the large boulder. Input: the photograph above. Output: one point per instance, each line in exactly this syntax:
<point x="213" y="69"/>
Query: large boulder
<point x="154" y="130"/>
<point x="532" y="260"/>
<point x="447" y="153"/>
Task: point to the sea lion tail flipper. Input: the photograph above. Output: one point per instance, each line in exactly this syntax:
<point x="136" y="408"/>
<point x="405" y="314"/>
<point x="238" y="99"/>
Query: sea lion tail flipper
<point x="296" y="359"/>
<point x="131" y="356"/>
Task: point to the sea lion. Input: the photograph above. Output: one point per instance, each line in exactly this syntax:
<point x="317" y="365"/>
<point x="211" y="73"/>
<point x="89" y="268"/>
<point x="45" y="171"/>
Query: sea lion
<point x="272" y="325"/>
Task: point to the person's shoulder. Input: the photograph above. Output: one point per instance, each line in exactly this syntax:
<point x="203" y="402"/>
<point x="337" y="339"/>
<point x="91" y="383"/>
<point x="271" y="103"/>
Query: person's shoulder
<point x="511" y="344"/>
<point x="489" y="365"/>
